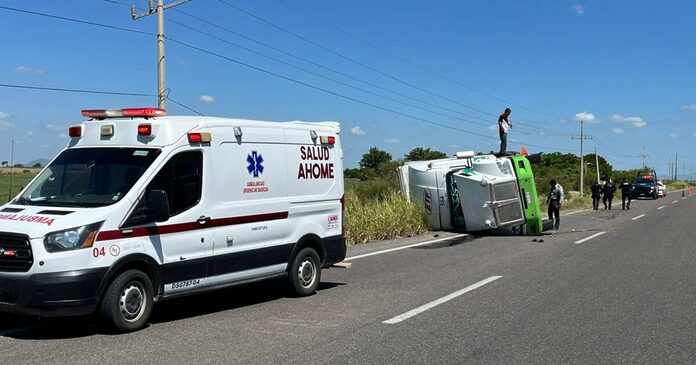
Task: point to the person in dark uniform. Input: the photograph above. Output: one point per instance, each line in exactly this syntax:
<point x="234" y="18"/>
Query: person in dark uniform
<point x="555" y="200"/>
<point x="596" y="194"/>
<point x="626" y="191"/>
<point x="609" y="190"/>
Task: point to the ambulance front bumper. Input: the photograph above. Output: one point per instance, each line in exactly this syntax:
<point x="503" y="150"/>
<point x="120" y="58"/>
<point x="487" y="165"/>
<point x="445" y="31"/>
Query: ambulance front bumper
<point x="69" y="293"/>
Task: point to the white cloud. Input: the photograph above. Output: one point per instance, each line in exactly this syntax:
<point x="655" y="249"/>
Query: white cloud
<point x="5" y="125"/>
<point x="3" y="115"/>
<point x="28" y="70"/>
<point x="357" y="131"/>
<point x="207" y="99"/>
<point x="393" y="141"/>
<point x="578" y="8"/>
<point x="673" y="135"/>
<point x="493" y="127"/>
<point x="30" y="133"/>
<point x="56" y="127"/>
<point x="689" y="108"/>
<point x="586" y="116"/>
<point x="62" y="135"/>
<point x="618" y="130"/>
<point x="637" y="122"/>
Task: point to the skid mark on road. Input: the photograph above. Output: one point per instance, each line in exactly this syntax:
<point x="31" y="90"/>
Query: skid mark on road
<point x="590" y="237"/>
<point x="437" y="302"/>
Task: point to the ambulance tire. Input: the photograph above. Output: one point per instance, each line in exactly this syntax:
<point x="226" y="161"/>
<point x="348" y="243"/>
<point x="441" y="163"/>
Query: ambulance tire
<point x="128" y="302"/>
<point x="305" y="272"/>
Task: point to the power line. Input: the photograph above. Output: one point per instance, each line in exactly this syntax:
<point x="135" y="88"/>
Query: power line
<point x="332" y="79"/>
<point x="361" y="64"/>
<point x="96" y="92"/>
<point x="264" y="71"/>
<point x="313" y="63"/>
<point x="405" y="60"/>
<point x="84" y="91"/>
<point x="76" y="20"/>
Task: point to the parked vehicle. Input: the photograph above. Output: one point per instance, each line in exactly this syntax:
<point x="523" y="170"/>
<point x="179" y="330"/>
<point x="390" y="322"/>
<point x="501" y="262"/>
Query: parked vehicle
<point x="141" y="207"/>
<point x="661" y="189"/>
<point x="645" y="186"/>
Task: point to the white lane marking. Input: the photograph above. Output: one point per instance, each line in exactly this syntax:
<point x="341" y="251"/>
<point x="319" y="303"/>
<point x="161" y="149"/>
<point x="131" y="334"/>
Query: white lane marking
<point x="402" y="247"/>
<point x="662" y="207"/>
<point x="589" y="238"/>
<point x="437" y="302"/>
<point x="638" y="217"/>
<point x="676" y="201"/>
<point x="578" y="211"/>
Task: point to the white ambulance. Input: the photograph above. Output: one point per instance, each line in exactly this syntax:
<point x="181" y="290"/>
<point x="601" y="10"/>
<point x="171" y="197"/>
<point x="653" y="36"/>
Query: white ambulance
<point x="142" y="207"/>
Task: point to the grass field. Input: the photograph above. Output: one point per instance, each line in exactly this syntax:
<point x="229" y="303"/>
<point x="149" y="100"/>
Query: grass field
<point x="20" y="179"/>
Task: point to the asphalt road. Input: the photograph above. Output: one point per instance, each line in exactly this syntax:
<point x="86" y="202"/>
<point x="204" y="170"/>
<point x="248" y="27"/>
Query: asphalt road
<point x="609" y="287"/>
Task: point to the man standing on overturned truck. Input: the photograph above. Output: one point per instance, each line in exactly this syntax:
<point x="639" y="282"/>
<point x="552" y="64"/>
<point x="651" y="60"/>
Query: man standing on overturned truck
<point x="555" y="200"/>
<point x="503" y="126"/>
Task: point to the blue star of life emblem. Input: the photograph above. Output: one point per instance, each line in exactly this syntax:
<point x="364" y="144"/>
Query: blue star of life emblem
<point x="255" y="161"/>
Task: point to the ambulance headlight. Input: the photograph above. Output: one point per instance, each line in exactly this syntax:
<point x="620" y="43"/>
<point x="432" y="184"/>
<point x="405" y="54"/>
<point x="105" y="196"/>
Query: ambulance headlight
<point x="73" y="238"/>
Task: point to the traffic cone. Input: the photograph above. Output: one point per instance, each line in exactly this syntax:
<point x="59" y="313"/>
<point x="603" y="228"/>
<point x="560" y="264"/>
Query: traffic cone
<point x="524" y="152"/>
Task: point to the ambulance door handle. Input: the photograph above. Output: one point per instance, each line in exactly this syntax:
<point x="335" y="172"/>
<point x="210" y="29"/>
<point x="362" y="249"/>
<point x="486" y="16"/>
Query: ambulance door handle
<point x="203" y="220"/>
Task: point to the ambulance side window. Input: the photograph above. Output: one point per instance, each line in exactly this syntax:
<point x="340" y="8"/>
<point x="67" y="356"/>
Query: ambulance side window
<point x="181" y="178"/>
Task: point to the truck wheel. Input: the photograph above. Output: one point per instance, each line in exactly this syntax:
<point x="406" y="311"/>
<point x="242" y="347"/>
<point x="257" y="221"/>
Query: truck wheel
<point x="128" y="301"/>
<point x="305" y="272"/>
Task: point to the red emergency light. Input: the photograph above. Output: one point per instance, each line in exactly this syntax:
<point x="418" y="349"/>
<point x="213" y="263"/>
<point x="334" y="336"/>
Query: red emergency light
<point x="199" y="137"/>
<point x="144" y="129"/>
<point x="75" y="131"/>
<point x="124" y="113"/>
<point x="327" y="139"/>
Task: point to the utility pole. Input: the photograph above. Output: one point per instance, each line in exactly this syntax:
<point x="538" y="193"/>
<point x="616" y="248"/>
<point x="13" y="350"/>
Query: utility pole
<point x="670" y="168"/>
<point x="582" y="139"/>
<point x="9" y="194"/>
<point x="676" y="165"/>
<point x="596" y="157"/>
<point x="643" y="156"/>
<point x="161" y="69"/>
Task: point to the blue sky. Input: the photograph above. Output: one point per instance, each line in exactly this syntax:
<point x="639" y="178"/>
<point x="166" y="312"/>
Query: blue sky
<point x="626" y="68"/>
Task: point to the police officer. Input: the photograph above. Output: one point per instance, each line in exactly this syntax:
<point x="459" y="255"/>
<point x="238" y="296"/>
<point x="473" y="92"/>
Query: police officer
<point x="626" y="191"/>
<point x="596" y="194"/>
<point x="609" y="190"/>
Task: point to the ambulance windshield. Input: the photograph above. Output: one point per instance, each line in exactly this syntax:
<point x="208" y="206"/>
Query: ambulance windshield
<point x="88" y="177"/>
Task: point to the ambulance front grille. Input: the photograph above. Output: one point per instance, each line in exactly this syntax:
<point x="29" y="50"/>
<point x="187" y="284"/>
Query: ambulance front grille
<point x="15" y="252"/>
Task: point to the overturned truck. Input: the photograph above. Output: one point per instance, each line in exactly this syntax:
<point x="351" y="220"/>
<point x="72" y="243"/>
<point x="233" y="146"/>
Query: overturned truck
<point x="476" y="192"/>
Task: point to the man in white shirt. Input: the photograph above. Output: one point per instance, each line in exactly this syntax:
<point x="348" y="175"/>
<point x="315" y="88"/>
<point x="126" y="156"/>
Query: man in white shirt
<point x="555" y="200"/>
<point x="503" y="126"/>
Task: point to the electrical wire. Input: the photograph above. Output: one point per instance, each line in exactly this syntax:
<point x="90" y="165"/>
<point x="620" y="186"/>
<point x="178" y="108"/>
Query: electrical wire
<point x="255" y="68"/>
<point x="352" y="60"/>
<point x="405" y="60"/>
<point x="72" y="20"/>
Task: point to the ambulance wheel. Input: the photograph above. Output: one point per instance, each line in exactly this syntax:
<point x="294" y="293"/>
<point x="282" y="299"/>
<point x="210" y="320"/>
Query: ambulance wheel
<point x="305" y="272"/>
<point x="128" y="301"/>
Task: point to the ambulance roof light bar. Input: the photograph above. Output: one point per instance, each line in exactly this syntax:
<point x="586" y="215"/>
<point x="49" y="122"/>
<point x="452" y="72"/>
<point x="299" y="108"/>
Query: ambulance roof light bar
<point x="101" y="114"/>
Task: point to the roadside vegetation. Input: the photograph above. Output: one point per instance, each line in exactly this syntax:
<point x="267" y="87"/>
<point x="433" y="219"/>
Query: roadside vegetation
<point x="20" y="179"/>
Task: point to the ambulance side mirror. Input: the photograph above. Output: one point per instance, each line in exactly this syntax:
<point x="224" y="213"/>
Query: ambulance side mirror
<point x="158" y="206"/>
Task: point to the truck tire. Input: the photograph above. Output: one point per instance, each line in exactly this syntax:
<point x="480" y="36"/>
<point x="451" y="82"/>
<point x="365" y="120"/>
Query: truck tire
<point x="305" y="272"/>
<point x="128" y="302"/>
